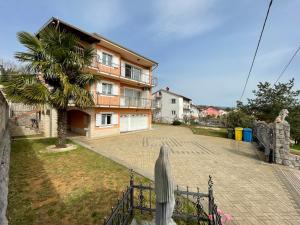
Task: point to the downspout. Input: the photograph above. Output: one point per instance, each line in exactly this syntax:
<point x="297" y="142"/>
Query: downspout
<point x="51" y="122"/>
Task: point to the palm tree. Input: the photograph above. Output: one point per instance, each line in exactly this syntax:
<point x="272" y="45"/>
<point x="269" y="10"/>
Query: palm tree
<point x="58" y="61"/>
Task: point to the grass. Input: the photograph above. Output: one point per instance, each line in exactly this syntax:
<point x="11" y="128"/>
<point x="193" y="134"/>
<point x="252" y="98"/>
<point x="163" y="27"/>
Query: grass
<point x="295" y="149"/>
<point x="76" y="187"/>
<point x="221" y="132"/>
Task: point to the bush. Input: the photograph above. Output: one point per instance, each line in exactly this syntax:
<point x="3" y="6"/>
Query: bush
<point x="176" y="123"/>
<point x="239" y="119"/>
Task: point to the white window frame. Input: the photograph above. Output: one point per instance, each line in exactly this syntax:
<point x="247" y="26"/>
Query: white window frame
<point x="173" y="102"/>
<point x="132" y="75"/>
<point x="173" y="113"/>
<point x="105" y="57"/>
<point x="105" y="89"/>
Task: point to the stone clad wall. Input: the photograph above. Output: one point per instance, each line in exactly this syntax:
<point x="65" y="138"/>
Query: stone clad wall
<point x="275" y="137"/>
<point x="282" y="146"/>
<point x="4" y="158"/>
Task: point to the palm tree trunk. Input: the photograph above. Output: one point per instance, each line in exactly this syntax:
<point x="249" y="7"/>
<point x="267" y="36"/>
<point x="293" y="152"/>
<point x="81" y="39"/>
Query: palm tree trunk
<point x="61" y="128"/>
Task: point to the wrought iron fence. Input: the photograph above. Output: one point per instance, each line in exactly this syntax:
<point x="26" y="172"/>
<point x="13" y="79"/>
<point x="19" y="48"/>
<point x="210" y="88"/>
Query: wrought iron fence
<point x="189" y="206"/>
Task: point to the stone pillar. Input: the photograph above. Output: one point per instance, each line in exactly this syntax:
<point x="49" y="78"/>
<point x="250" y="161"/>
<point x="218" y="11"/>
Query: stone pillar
<point x="282" y="142"/>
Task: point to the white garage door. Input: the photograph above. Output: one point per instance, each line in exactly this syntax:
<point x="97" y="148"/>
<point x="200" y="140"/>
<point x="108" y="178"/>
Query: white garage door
<point x="131" y="122"/>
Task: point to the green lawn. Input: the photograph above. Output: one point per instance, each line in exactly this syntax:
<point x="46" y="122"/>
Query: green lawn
<point x="295" y="149"/>
<point x="222" y="132"/>
<point x="76" y="187"/>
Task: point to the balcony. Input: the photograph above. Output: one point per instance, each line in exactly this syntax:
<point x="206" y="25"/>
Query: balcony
<point x="117" y="101"/>
<point x="123" y="73"/>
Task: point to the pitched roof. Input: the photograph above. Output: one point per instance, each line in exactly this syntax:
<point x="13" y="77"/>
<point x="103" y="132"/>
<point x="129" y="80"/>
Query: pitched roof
<point x="178" y="95"/>
<point x="91" y="37"/>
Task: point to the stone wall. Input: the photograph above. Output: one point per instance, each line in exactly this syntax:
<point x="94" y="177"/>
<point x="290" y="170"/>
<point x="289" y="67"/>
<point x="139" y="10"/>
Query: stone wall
<point x="4" y="158"/>
<point x="282" y="146"/>
<point x="274" y="139"/>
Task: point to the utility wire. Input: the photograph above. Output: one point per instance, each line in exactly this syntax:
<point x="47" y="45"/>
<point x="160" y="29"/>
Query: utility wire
<point x="287" y="65"/>
<point x="253" y="60"/>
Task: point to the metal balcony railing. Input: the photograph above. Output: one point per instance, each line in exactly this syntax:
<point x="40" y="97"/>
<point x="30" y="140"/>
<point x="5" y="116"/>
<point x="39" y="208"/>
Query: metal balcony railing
<point x="132" y="102"/>
<point x="121" y="101"/>
<point x="123" y="72"/>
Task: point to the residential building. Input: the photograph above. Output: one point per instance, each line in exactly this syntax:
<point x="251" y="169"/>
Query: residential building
<point x="122" y="96"/>
<point x="194" y="112"/>
<point x="169" y="106"/>
<point x="213" y="112"/>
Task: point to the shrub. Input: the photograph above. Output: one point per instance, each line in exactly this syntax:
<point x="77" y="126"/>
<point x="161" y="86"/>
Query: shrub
<point x="176" y="123"/>
<point x="239" y="119"/>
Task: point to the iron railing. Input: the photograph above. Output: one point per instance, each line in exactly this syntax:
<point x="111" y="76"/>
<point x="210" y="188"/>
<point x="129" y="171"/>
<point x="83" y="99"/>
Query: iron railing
<point x="122" y="101"/>
<point x="189" y="206"/>
<point x="123" y="72"/>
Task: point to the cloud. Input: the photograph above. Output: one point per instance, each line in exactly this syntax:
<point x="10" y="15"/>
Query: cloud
<point x="184" y="18"/>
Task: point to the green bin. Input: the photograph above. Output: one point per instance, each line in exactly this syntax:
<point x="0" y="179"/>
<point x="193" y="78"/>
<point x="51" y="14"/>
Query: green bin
<point x="230" y="133"/>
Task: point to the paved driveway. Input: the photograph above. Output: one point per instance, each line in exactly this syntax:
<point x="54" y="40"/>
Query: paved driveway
<point x="252" y="191"/>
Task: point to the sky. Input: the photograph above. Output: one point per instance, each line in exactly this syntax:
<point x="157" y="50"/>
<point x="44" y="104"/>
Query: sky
<point x="204" y="47"/>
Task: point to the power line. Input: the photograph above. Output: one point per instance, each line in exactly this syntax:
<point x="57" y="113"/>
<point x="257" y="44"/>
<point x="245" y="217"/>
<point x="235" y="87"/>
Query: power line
<point x="261" y="33"/>
<point x="287" y="65"/>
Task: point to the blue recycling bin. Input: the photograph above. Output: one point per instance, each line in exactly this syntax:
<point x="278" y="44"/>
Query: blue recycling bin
<point x="247" y="134"/>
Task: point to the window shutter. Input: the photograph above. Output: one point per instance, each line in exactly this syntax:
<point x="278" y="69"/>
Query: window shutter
<point x="99" y="56"/>
<point x="116" y="61"/>
<point x="122" y="69"/>
<point x="145" y="75"/>
<point x="98" y="120"/>
<point x="115" y="118"/>
<point x="99" y="87"/>
<point x="115" y="89"/>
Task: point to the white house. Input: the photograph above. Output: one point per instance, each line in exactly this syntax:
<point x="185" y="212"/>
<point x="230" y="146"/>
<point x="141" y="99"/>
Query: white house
<point x="169" y="106"/>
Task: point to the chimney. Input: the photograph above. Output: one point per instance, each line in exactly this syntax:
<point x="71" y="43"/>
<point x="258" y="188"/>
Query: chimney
<point x="167" y="88"/>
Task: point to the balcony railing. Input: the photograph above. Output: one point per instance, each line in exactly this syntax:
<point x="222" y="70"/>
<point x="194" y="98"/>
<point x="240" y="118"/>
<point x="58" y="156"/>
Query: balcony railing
<point x="122" y="101"/>
<point x="123" y="72"/>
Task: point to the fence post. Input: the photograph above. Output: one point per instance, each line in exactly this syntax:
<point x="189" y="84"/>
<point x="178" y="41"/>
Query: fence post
<point x="210" y="198"/>
<point x="131" y="192"/>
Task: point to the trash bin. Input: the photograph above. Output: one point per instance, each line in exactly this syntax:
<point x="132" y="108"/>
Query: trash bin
<point x="247" y="134"/>
<point x="238" y="133"/>
<point x="230" y="133"/>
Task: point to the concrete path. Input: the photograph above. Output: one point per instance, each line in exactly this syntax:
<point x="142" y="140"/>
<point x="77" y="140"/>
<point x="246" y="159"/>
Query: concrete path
<point x="252" y="191"/>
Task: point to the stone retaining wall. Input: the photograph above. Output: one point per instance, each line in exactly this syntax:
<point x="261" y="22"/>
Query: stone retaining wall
<point x="274" y="138"/>
<point x="4" y="158"/>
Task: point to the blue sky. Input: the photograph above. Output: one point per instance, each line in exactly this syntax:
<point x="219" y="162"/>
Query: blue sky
<point x="204" y="47"/>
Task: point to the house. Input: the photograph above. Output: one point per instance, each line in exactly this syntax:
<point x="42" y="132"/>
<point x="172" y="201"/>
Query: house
<point x="213" y="112"/>
<point x="122" y="97"/>
<point x="169" y="106"/>
<point x="194" y="112"/>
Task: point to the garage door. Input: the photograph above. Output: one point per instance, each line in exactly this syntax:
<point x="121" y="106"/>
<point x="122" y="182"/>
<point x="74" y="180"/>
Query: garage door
<point x="131" y="122"/>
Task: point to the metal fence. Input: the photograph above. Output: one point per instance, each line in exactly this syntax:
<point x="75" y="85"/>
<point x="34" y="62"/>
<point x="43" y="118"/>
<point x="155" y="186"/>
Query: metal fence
<point x="189" y="206"/>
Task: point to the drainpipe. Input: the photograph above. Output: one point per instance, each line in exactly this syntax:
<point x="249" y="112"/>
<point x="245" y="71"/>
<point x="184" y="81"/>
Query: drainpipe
<point x="51" y="122"/>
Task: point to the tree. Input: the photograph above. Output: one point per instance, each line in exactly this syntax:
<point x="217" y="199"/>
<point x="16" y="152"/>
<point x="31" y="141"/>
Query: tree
<point x="269" y="100"/>
<point x="294" y="120"/>
<point x="58" y="61"/>
<point x="239" y="118"/>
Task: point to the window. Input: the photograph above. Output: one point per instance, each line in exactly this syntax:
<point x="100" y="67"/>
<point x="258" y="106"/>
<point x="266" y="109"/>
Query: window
<point x="106" y="119"/>
<point x="173" y="100"/>
<point x="132" y="72"/>
<point x="132" y="93"/>
<point x="173" y="112"/>
<point x="107" y="88"/>
<point x="107" y="59"/>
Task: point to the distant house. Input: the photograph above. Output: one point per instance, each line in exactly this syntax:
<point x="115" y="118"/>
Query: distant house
<point x="213" y="112"/>
<point x="169" y="106"/>
<point x="194" y="112"/>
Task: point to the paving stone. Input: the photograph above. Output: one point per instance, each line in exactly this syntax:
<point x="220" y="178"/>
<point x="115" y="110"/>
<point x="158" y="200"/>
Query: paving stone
<point x="245" y="187"/>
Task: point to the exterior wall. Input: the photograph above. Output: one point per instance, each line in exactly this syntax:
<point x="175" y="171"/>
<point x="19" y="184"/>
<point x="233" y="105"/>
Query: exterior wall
<point x="167" y="107"/>
<point x="78" y="121"/>
<point x="49" y="122"/>
<point x="98" y="131"/>
<point x="4" y="158"/>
